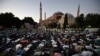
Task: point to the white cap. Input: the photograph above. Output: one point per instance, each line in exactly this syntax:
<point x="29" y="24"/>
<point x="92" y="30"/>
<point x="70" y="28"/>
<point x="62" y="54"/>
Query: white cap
<point x="54" y="45"/>
<point x="26" y="49"/>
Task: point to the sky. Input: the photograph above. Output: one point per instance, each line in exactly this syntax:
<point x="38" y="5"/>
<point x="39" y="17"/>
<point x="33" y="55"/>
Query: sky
<point x="30" y="8"/>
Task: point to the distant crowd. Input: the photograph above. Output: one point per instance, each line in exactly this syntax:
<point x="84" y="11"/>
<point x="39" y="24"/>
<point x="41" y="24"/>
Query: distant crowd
<point x="48" y="43"/>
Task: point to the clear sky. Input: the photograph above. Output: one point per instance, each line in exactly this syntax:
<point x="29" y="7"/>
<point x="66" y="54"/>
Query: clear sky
<point x="24" y="8"/>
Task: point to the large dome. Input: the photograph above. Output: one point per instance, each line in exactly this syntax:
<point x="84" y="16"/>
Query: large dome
<point x="58" y="13"/>
<point x="70" y="20"/>
<point x="69" y="15"/>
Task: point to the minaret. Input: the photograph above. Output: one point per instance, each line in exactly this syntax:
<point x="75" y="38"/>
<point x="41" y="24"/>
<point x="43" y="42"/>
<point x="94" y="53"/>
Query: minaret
<point x="78" y="11"/>
<point x="45" y="15"/>
<point x="40" y="21"/>
<point x="45" y="20"/>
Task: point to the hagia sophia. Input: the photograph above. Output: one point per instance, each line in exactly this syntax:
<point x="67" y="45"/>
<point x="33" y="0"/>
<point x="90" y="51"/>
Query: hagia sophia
<point x="57" y="17"/>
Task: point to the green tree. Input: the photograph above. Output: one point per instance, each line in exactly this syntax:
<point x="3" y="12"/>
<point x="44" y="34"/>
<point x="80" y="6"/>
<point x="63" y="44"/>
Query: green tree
<point x="8" y="20"/>
<point x="80" y="21"/>
<point x="93" y="20"/>
<point x="65" y="21"/>
<point x="29" y="20"/>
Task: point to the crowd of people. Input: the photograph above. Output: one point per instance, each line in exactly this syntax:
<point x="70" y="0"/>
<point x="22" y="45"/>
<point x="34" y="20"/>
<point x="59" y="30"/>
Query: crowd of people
<point x="48" y="43"/>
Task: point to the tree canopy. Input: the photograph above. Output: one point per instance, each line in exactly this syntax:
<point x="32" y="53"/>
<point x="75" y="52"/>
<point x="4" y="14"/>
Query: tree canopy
<point x="9" y="20"/>
<point x="93" y="20"/>
<point x="80" y="21"/>
<point x="29" y="20"/>
<point x="90" y="20"/>
<point x="65" y="21"/>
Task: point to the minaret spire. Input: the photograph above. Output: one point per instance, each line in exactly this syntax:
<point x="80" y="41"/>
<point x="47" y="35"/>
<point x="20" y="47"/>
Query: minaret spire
<point x="78" y="11"/>
<point x="40" y="21"/>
